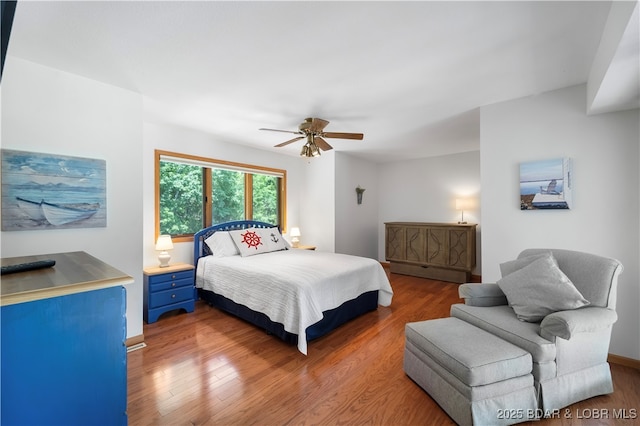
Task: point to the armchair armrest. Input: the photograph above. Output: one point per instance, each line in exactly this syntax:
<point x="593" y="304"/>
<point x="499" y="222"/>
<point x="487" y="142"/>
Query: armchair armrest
<point x="584" y="320"/>
<point x="484" y="294"/>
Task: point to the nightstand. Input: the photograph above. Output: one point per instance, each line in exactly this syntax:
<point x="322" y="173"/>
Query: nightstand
<point x="166" y="289"/>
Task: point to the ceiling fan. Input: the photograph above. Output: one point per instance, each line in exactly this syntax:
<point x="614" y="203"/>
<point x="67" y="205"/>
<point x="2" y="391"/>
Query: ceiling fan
<point x="313" y="130"/>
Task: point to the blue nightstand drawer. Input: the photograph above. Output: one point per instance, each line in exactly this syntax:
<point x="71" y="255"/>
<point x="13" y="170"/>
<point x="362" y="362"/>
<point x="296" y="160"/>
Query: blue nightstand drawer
<point x="169" y="297"/>
<point x="175" y="276"/>
<point x="168" y="285"/>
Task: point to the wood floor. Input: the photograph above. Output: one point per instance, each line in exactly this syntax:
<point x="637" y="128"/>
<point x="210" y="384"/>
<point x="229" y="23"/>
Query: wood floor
<point x="208" y="368"/>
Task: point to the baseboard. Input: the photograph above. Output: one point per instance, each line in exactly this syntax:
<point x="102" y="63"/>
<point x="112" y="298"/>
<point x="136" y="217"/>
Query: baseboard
<point x="621" y="360"/>
<point x="135" y="340"/>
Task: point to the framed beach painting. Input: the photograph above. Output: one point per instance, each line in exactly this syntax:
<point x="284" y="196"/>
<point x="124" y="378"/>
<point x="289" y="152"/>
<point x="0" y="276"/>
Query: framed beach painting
<point x="49" y="191"/>
<point x="546" y="184"/>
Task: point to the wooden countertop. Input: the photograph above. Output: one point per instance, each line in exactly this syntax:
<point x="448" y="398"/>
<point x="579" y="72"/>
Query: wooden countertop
<point x="174" y="267"/>
<point x="74" y="272"/>
<point x="441" y="224"/>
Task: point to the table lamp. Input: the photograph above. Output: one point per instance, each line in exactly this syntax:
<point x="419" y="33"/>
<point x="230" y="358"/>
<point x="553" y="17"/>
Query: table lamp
<point x="462" y="205"/>
<point x="295" y="234"/>
<point x="163" y="244"/>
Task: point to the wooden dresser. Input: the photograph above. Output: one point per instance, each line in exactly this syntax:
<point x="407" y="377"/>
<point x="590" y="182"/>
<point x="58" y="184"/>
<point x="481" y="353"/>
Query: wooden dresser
<point x="64" y="360"/>
<point x="441" y="251"/>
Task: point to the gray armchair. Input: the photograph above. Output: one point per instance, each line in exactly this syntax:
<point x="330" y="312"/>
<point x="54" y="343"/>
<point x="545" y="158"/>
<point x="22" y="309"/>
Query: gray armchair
<point x="569" y="348"/>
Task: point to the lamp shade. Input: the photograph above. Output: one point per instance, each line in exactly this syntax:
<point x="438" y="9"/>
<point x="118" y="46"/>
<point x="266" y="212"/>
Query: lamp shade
<point x="295" y="232"/>
<point x="164" y="243"/>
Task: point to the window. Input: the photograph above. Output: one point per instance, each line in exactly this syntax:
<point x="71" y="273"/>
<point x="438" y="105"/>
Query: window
<point x="181" y="201"/>
<point x="265" y="198"/>
<point x="228" y="195"/>
<point x="194" y="192"/>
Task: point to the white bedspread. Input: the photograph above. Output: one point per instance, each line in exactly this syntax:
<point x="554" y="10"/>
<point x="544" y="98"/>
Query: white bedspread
<point x="293" y="287"/>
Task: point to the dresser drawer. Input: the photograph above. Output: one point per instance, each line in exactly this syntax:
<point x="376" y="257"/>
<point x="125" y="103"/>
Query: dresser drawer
<point x="168" y="285"/>
<point x="168" y="297"/>
<point x="175" y="276"/>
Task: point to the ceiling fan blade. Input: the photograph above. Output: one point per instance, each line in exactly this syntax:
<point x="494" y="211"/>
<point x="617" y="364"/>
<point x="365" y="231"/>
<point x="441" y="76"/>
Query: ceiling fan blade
<point x="338" y="135"/>
<point x="288" y="142"/>
<point x="317" y="124"/>
<point x="322" y="144"/>
<point x="283" y="131"/>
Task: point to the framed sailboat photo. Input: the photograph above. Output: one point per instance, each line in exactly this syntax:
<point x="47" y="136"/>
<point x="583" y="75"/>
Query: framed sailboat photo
<point x="48" y="191"/>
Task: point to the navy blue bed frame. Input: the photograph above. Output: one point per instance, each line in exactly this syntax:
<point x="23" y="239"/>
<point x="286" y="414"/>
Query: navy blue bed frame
<point x="332" y="319"/>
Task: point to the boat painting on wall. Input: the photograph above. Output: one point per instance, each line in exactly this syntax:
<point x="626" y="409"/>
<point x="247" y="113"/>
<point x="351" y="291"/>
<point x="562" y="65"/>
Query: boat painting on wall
<point x="546" y="184"/>
<point x="49" y="191"/>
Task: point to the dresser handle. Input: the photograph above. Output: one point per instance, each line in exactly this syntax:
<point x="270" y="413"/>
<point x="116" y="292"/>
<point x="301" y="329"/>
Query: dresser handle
<point x="173" y="284"/>
<point x="173" y="296"/>
<point x="173" y="277"/>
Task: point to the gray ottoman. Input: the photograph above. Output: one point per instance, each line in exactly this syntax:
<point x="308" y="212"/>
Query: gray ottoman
<point x="476" y="377"/>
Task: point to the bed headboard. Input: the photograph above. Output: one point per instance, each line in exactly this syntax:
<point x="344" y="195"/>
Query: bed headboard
<point x="200" y="249"/>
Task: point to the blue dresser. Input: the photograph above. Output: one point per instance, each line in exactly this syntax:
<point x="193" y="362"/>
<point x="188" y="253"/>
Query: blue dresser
<point x="167" y="289"/>
<point x="64" y="359"/>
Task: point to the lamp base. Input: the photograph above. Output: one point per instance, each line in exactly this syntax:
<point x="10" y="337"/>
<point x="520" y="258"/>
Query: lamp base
<point x="462" y="223"/>
<point x="295" y="242"/>
<point x="164" y="259"/>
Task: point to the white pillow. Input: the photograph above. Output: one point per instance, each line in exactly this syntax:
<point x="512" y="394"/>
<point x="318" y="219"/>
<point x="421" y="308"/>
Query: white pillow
<point x="540" y="289"/>
<point x="221" y="244"/>
<point x="272" y="238"/>
<point x="249" y="241"/>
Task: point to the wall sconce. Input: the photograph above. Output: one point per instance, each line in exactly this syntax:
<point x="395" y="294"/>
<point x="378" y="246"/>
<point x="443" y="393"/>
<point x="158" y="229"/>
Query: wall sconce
<point x="359" y="192"/>
<point x="462" y="205"/>
<point x="295" y="237"/>
<point x="163" y="244"/>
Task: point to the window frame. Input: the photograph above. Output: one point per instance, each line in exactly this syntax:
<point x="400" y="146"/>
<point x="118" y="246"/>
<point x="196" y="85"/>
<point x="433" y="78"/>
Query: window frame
<point x="207" y="164"/>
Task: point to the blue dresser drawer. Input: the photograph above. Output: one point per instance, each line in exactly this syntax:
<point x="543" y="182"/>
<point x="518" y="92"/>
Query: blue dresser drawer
<point x="169" y="297"/>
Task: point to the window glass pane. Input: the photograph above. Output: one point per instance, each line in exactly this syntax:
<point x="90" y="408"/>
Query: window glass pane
<point x="181" y="201"/>
<point x="265" y="198"/>
<point x="228" y="195"/>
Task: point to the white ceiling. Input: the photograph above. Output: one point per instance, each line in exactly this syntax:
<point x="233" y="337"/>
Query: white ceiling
<point x="409" y="75"/>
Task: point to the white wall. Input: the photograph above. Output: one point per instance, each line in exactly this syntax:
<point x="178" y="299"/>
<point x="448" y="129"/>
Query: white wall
<point x="318" y="202"/>
<point x="356" y="230"/>
<point x="48" y="111"/>
<point x="425" y="189"/>
<point x="604" y="217"/>
<point x="192" y="142"/>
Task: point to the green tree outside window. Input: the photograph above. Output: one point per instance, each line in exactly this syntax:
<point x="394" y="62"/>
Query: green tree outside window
<point x="194" y="196"/>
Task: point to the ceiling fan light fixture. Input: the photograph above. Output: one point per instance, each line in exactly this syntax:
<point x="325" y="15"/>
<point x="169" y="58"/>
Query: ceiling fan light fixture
<point x="315" y="152"/>
<point x="309" y="150"/>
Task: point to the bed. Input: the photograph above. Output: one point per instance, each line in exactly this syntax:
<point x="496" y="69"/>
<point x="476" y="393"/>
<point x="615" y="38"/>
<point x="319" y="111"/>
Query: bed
<point x="297" y="295"/>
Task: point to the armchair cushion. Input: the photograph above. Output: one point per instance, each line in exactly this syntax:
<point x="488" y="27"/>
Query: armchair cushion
<point x="483" y="294"/>
<point x="565" y="324"/>
<point x="539" y="289"/>
<point x="501" y="321"/>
